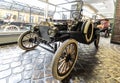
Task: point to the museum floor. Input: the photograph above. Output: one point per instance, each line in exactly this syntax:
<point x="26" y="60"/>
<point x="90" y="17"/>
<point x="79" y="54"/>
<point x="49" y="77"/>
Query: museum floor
<point x="93" y="66"/>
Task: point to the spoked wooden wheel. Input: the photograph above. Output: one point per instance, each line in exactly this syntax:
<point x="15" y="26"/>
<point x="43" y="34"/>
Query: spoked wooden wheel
<point x="64" y="59"/>
<point x="28" y="40"/>
<point x="12" y="28"/>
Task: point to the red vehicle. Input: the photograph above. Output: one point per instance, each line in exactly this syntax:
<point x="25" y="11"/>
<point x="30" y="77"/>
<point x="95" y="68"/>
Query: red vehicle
<point x="104" y="26"/>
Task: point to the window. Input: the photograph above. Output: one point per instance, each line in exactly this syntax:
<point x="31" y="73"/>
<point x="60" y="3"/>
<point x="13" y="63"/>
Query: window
<point x="39" y="19"/>
<point x="21" y="18"/>
<point x="7" y="17"/>
<point x="32" y="19"/>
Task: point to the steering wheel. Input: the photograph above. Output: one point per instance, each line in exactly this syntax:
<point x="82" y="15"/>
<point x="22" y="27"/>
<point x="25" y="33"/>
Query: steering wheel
<point x="75" y="14"/>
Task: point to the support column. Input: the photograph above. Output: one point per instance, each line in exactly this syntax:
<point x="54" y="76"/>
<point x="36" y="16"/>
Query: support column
<point x="116" y="27"/>
<point x="18" y="16"/>
<point x="30" y="15"/>
<point x="46" y="10"/>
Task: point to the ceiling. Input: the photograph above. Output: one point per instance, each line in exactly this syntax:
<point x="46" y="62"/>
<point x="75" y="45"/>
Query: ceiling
<point x="102" y="8"/>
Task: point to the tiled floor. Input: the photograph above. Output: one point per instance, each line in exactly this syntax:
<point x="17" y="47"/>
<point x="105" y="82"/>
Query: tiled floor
<point x="93" y="66"/>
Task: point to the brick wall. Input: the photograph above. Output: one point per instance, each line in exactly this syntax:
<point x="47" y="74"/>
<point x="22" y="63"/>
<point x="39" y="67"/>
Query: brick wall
<point x="116" y="28"/>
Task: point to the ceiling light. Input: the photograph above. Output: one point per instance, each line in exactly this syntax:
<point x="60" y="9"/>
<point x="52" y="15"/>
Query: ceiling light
<point x="103" y="7"/>
<point x="99" y="4"/>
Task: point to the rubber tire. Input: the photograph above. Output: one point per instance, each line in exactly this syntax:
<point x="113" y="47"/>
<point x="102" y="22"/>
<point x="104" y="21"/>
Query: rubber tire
<point x="96" y="41"/>
<point x="20" y="43"/>
<point x="56" y="59"/>
<point x="85" y="31"/>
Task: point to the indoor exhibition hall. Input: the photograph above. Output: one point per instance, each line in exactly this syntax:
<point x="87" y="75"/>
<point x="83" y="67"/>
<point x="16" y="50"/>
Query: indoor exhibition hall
<point x="59" y="41"/>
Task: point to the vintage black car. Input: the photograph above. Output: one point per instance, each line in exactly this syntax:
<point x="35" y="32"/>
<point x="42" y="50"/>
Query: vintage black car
<point x="68" y="35"/>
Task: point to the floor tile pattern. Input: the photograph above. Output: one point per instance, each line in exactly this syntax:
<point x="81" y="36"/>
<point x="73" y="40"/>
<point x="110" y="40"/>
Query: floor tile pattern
<point x="93" y="66"/>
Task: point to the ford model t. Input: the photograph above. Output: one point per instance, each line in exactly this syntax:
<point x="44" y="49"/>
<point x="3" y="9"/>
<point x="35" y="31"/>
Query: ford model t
<point x="65" y="54"/>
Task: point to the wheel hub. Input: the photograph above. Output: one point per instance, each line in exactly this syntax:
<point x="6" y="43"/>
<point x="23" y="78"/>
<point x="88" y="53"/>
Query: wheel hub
<point x="31" y="40"/>
<point x="68" y="58"/>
